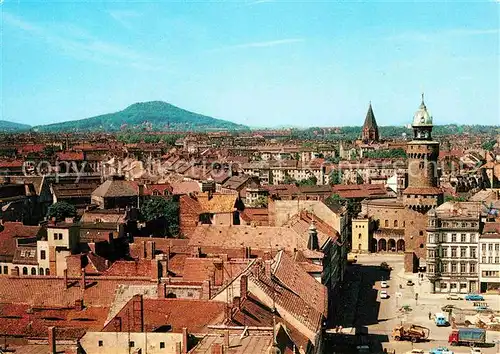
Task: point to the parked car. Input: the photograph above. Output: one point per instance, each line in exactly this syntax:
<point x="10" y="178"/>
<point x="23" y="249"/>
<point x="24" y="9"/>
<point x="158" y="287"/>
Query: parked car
<point x="384" y="294"/>
<point x="482" y="308"/>
<point x="475" y="351"/>
<point x="410" y="283"/>
<point x="383" y="284"/>
<point x="440" y="350"/>
<point x="474" y="297"/>
<point x="416" y="351"/>
<point x="454" y="297"/>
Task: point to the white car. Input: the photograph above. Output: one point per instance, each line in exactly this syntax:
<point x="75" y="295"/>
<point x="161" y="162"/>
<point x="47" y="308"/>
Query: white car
<point x="475" y="351"/>
<point x="383" y="284"/>
<point x="384" y="295"/>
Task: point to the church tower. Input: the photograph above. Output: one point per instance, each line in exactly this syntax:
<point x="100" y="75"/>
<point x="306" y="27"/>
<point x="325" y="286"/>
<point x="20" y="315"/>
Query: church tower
<point x="422" y="193"/>
<point x="370" y="128"/>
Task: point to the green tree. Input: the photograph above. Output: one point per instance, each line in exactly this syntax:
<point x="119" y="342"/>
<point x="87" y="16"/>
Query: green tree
<point x="335" y="177"/>
<point x="488" y="145"/>
<point x="450" y="198"/>
<point x="311" y="181"/>
<point x="61" y="210"/>
<point x="260" y="202"/>
<point x="288" y="179"/>
<point x="164" y="213"/>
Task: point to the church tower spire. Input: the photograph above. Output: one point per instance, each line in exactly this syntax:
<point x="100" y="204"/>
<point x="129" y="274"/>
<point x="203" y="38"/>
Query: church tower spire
<point x="370" y="127"/>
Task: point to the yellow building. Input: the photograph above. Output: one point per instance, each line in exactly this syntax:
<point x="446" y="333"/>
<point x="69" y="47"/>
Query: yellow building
<point x="361" y="235"/>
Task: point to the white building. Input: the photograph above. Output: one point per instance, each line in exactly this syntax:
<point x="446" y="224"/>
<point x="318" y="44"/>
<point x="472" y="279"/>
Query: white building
<point x="452" y="247"/>
<point x="489" y="263"/>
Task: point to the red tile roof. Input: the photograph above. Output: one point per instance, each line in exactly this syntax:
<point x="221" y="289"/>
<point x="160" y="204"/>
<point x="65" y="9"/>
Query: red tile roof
<point x="70" y="156"/>
<point x="9" y="232"/>
<point x="176" y="314"/>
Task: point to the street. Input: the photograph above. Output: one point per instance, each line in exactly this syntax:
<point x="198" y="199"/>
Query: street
<point x="373" y="319"/>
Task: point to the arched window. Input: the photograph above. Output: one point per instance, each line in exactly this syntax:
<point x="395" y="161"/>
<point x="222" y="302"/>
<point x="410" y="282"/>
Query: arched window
<point x="25" y="271"/>
<point x="421" y="233"/>
<point x="41" y="271"/>
<point x="359" y="235"/>
<point x="395" y="223"/>
<point x="33" y="271"/>
<point x="404" y="223"/>
<point x="386" y="223"/>
<point x="16" y="269"/>
<point x="47" y="271"/>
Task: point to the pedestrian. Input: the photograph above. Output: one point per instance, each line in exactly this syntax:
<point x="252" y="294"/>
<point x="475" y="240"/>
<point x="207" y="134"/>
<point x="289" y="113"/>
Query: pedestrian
<point x="430" y="315"/>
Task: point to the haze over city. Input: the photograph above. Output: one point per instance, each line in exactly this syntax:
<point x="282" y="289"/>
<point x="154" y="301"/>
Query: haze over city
<point x="258" y="63"/>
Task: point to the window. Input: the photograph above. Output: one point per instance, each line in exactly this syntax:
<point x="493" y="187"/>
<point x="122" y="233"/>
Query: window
<point x="445" y="252"/>
<point x="162" y="345"/>
<point x="386" y="223"/>
<point x="463" y="252"/>
<point x="60" y="236"/>
<point x="395" y="223"/>
<point x="444" y="267"/>
<point x="55" y="236"/>
<point x="5" y="269"/>
<point x="431" y="268"/>
<point x="33" y="271"/>
<point x="472" y="267"/>
<point x="430" y="253"/>
<point x="453" y="286"/>
<point x="497" y="246"/>
<point x="453" y="267"/>
<point x="496" y="259"/>
<point x="472" y="238"/>
<point x="490" y="247"/>
<point x="47" y="271"/>
<point x="490" y="259"/>
<point x="444" y="285"/>
<point x="404" y="223"/>
<point x="131" y="344"/>
<point x="473" y="252"/>
<point x="483" y="247"/>
<point x="359" y="235"/>
<point x="463" y="286"/>
<point x="483" y="259"/>
<point x="42" y="254"/>
<point x="25" y="271"/>
<point x="100" y="343"/>
<point x="0" y="270"/>
<point x="462" y="238"/>
<point x="453" y="237"/>
<point x="462" y="268"/>
<point x="453" y="252"/>
<point x="40" y="271"/>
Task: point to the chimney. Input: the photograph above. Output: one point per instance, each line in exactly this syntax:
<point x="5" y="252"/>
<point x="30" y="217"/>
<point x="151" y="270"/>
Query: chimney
<point x="267" y="268"/>
<point x="206" y="290"/>
<point x="79" y="305"/>
<point x="184" y="340"/>
<point x="83" y="280"/>
<point x="236" y="302"/>
<point x="313" y="243"/>
<point x="52" y="340"/>
<point x="243" y="287"/>
<point x="216" y="349"/>
<point x="226" y="339"/>
<point x="151" y="250"/>
<point x="267" y="255"/>
<point x="65" y="272"/>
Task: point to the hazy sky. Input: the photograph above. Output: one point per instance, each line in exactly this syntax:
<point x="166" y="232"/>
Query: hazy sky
<point x="260" y="63"/>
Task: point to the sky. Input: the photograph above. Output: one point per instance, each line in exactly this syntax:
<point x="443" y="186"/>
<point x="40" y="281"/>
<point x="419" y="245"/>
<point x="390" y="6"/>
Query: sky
<point x="262" y="63"/>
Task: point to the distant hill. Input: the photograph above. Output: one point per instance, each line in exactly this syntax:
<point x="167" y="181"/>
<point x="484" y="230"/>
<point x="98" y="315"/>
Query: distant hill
<point x="154" y="115"/>
<point x="6" y="126"/>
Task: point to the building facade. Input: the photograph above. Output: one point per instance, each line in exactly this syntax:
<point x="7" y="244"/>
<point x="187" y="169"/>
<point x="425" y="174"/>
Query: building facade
<point x="452" y="247"/>
<point x="489" y="263"/>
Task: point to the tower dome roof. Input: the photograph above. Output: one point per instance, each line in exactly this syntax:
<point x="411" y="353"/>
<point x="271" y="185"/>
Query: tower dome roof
<point x="422" y="116"/>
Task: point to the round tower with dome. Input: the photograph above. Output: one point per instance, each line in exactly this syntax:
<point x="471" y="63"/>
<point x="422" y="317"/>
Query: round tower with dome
<point x="423" y="192"/>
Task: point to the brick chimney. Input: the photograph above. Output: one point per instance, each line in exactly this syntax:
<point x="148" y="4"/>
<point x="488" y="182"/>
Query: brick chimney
<point x="83" y="280"/>
<point x="267" y="268"/>
<point x="65" y="272"/>
<point x="150" y="250"/>
<point x="216" y="349"/>
<point x="184" y="340"/>
<point x="205" y="290"/>
<point x="226" y="339"/>
<point x="79" y="304"/>
<point x="52" y="340"/>
<point x="243" y="287"/>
